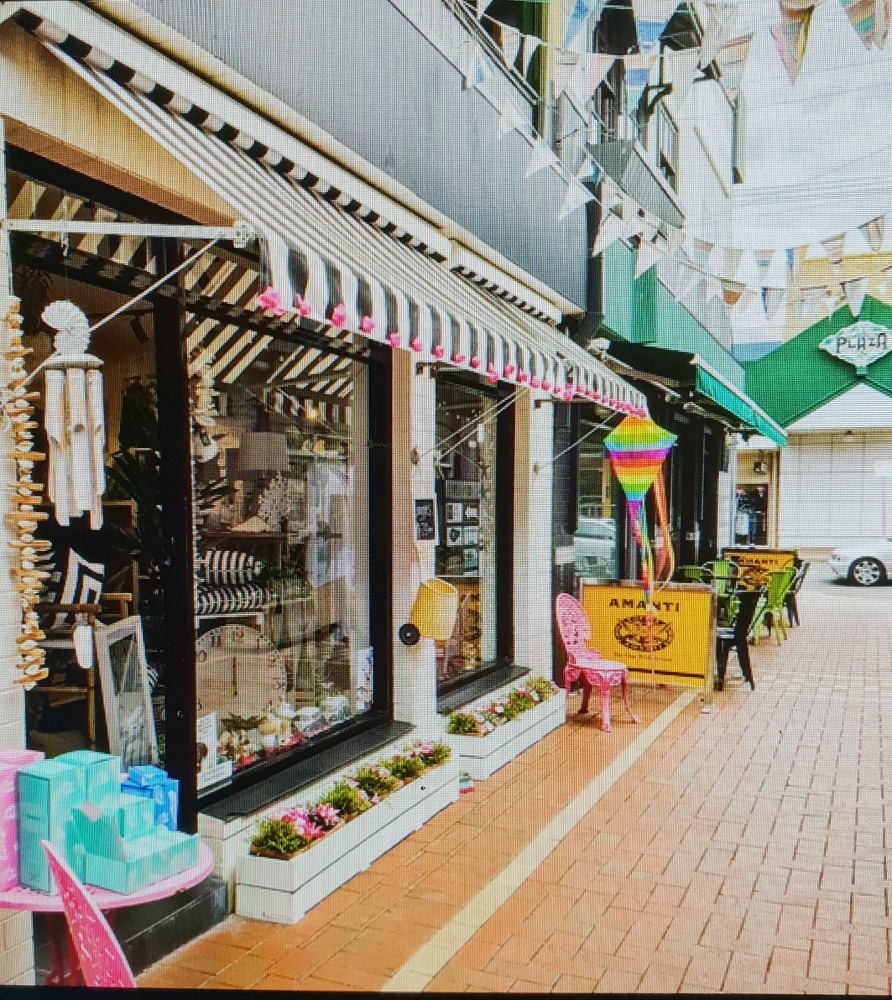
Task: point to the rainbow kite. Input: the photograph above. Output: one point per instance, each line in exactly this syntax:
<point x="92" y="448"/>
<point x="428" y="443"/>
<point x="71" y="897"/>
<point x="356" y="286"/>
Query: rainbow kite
<point x="637" y="448"/>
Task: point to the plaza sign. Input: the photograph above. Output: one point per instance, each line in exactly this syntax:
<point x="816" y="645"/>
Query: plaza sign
<point x="859" y="344"/>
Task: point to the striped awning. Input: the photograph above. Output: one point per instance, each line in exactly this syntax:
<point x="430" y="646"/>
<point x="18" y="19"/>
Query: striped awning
<point x="333" y="267"/>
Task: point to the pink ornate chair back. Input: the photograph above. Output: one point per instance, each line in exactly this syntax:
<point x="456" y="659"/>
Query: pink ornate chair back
<point x="102" y="961"/>
<point x="574" y="628"/>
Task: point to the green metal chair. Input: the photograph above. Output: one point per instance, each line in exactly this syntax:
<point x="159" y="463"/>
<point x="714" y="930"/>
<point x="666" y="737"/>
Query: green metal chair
<point x="690" y="574"/>
<point x="722" y="575"/>
<point x="779" y="582"/>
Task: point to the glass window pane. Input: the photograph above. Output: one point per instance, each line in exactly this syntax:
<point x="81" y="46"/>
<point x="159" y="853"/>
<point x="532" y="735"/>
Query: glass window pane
<point x="466" y="555"/>
<point x="280" y="473"/>
<point x="595" y="547"/>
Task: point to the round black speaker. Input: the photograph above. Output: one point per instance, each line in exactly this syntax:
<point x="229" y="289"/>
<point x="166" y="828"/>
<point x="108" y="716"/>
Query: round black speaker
<point x="409" y="634"/>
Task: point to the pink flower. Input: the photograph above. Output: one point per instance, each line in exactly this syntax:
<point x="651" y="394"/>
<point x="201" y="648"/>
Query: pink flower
<point x="459" y="359"/>
<point x="509" y="370"/>
<point x="366" y="324"/>
<point x="374" y="800"/>
<point x="425" y="747"/>
<point x="362" y="794"/>
<point x="546" y="385"/>
<point x="326" y="814"/>
<point x="270" y="301"/>
<point x="536" y="382"/>
<point x="339" y="315"/>
<point x="522" y="377"/>
<point x="393" y="338"/>
<point x="302" y="306"/>
<point x="439" y="351"/>
<point x="351" y="782"/>
<point x="475" y="361"/>
<point x="415" y="344"/>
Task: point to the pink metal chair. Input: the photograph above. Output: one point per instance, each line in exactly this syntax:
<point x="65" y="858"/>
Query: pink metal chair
<point x="582" y="661"/>
<point x="101" y="959"/>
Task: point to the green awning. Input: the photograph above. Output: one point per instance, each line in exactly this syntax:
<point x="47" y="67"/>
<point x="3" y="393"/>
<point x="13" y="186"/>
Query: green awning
<point x="732" y="400"/>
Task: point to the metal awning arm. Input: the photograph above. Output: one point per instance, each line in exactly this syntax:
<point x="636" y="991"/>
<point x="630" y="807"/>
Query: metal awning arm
<point x="240" y="233"/>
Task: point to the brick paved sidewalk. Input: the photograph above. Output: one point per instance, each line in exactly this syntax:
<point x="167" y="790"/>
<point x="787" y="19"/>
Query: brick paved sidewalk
<point x="742" y="851"/>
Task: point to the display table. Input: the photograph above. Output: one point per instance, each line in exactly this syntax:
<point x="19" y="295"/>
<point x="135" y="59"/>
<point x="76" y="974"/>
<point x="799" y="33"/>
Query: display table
<point x="21" y="898"/>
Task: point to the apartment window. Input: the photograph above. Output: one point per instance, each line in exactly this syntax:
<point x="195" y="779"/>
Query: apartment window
<point x="667" y="145"/>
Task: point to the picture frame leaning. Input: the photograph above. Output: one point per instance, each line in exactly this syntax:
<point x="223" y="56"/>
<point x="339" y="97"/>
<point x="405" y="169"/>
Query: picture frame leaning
<point x="126" y="695"/>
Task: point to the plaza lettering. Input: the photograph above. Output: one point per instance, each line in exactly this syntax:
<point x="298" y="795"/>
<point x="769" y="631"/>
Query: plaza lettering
<point x="862" y="342"/>
<point x="636" y="605"/>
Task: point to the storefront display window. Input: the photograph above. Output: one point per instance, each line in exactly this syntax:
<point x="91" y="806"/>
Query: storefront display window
<point x="595" y="546"/>
<point x="283" y="652"/>
<point x="466" y="555"/>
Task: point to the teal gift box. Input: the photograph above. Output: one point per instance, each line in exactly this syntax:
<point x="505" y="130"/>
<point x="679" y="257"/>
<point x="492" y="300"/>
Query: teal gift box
<point x="101" y="775"/>
<point x="165" y="796"/>
<point x="136" y="816"/>
<point x="138" y="863"/>
<point x="47" y="793"/>
<point x="146" y="775"/>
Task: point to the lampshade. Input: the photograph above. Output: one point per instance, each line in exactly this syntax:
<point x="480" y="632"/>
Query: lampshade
<point x="262" y="451"/>
<point x="435" y="609"/>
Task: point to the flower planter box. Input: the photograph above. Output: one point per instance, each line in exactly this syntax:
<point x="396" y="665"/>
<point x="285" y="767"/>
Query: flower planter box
<point x="283" y="891"/>
<point x="481" y="756"/>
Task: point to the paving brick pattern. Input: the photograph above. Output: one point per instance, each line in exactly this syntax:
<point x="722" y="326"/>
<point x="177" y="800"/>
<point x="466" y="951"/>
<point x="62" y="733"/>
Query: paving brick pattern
<point x="743" y="852"/>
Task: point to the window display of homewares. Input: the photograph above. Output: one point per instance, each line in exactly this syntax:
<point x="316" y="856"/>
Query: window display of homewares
<point x="115" y="835"/>
<point x="31" y="570"/>
<point x="359" y="817"/>
<point x="492" y="731"/>
<point x="283" y="652"/>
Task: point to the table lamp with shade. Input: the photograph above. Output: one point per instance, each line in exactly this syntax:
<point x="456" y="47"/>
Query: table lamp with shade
<point x="261" y="456"/>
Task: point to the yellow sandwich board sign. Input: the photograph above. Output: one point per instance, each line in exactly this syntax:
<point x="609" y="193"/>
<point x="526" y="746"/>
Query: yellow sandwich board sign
<point x="756" y="564"/>
<point x="678" y="647"/>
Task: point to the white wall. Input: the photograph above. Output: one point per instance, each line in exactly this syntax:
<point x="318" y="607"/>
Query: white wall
<point x="828" y="491"/>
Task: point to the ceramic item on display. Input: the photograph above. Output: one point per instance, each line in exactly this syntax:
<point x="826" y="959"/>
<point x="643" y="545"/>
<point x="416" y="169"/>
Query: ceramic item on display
<point x="309" y="715"/>
<point x="284" y="710"/>
<point x="335" y="707"/>
<point x="82" y="639"/>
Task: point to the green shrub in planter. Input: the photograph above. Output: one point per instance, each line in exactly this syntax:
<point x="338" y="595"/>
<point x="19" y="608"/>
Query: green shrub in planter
<point x="349" y="800"/>
<point x="406" y="767"/>
<point x="377" y="780"/>
<point x="278" y="838"/>
<point x="434" y="754"/>
<point x="461" y="724"/>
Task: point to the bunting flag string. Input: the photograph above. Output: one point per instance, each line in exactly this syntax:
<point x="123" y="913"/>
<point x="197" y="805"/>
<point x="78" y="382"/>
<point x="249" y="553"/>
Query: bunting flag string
<point x="731" y="59"/>
<point x="543" y="156"/>
<point x="833" y="247"/>
<point x="873" y="232"/>
<point x="576" y="197"/>
<point x="855" y="291"/>
<point x="862" y="17"/>
<point x="791" y="36"/>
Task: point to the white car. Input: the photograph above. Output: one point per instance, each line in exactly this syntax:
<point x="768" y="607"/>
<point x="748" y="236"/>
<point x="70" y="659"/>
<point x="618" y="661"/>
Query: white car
<point x="866" y="563"/>
<point x="594" y="547"/>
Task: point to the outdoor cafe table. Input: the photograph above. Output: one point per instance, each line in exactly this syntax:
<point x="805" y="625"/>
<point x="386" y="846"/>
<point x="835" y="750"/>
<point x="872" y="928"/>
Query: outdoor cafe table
<point x="21" y="898"/>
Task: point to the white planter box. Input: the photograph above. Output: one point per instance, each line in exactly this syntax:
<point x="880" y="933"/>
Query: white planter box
<point x="283" y="891"/>
<point x="481" y="756"/>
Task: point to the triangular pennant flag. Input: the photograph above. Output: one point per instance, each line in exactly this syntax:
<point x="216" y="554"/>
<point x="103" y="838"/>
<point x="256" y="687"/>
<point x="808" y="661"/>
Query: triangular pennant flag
<point x="855" y="291"/>
<point x="731" y="260"/>
<point x="772" y="300"/>
<point x="873" y="232"/>
<point x="528" y="46"/>
<point x="746" y="297"/>
<point x="763" y="261"/>
<point x="633" y="218"/>
<point x="512" y="118"/>
<point x="682" y="70"/>
<point x="576" y="197"/>
<point x="795" y="256"/>
<point x="675" y="239"/>
<point x="791" y="38"/>
<point x="647" y="256"/>
<point x="810" y="302"/>
<point x="588" y="170"/>
<point x="543" y="156"/>
<point x="831" y="299"/>
<point x="862" y="17"/>
<point x="833" y="247"/>
<point x="731" y="291"/>
<point x="714" y="289"/>
<point x="731" y="60"/>
<point x="699" y="251"/>
<point x="564" y="67"/>
<point x="883" y="21"/>
<point x="582" y="11"/>
<point x="691" y="277"/>
<point x="595" y="66"/>
<point x="716" y="265"/>
<point x="717" y="27"/>
<point x="509" y="42"/>
<point x="610" y="230"/>
<point x="612" y="198"/>
<point x="480" y="69"/>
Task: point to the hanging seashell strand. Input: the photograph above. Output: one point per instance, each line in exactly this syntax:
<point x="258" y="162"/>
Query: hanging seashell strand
<point x="29" y="571"/>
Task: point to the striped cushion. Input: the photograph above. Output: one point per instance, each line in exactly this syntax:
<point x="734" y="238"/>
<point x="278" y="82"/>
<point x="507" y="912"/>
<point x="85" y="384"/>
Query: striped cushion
<point x="228" y="567"/>
<point x="223" y="600"/>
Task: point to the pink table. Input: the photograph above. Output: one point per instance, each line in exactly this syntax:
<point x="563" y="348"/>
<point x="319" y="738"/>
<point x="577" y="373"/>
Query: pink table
<point x="21" y="898"/>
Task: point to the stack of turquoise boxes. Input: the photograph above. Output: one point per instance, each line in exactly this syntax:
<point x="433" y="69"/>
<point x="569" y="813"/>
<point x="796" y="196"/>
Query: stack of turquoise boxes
<point x="110" y="838"/>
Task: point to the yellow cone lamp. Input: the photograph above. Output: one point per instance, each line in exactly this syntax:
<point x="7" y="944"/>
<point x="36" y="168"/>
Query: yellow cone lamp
<point x="433" y="613"/>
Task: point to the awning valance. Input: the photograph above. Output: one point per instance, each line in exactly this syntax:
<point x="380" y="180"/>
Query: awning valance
<point x="733" y="400"/>
<point x="344" y="271"/>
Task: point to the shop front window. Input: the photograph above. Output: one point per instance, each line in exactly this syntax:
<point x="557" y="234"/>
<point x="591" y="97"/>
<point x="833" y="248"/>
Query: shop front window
<point x="466" y="555"/>
<point x="279" y="448"/>
<point x="595" y="545"/>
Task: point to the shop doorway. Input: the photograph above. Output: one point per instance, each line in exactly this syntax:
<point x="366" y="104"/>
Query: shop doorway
<point x="751" y="520"/>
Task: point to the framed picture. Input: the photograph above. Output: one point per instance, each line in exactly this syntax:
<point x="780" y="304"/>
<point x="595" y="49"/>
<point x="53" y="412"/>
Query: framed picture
<point x="471" y="534"/>
<point x="453" y="513"/>
<point x="126" y="696"/>
<point x="471" y="562"/>
<point x="425" y="521"/>
<point x="472" y="513"/>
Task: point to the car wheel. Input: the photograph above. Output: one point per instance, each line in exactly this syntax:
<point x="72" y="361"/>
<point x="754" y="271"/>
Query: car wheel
<point x="866" y="572"/>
